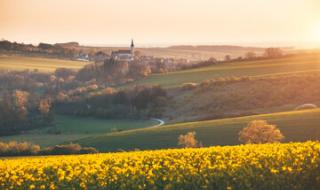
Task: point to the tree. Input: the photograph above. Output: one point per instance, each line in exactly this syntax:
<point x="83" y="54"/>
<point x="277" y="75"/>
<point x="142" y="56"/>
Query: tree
<point x="20" y="100"/>
<point x="212" y="60"/>
<point x="140" y="70"/>
<point x="61" y="96"/>
<point x="273" y="52"/>
<point x="44" y="106"/>
<point x="227" y="58"/>
<point x="188" y="140"/>
<point x="45" y="110"/>
<point x="259" y="131"/>
<point x="142" y="99"/>
<point x="121" y="98"/>
<point x="137" y="53"/>
<point x="64" y="73"/>
<point x="251" y="55"/>
<point x="109" y="90"/>
<point x="45" y="46"/>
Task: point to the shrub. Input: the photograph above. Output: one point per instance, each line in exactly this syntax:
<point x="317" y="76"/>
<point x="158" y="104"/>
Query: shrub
<point x="306" y="106"/>
<point x="14" y="148"/>
<point x="68" y="149"/>
<point x="109" y="90"/>
<point x="205" y="83"/>
<point x="188" y="140"/>
<point x="88" y="150"/>
<point x="92" y="87"/>
<point x="259" y="131"/>
<point x="189" y="86"/>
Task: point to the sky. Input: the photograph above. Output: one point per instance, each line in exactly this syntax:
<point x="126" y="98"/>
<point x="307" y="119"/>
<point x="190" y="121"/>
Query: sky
<point x="161" y="22"/>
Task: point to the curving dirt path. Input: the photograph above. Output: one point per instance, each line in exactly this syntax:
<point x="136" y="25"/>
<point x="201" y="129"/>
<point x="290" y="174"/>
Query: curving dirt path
<point x="161" y="122"/>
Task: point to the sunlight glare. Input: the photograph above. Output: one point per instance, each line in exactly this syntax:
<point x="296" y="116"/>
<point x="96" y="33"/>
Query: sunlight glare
<point x="316" y="32"/>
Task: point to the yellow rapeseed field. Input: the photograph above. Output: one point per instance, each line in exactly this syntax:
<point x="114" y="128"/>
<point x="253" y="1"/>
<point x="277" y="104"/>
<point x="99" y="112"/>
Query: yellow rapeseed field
<point x="269" y="166"/>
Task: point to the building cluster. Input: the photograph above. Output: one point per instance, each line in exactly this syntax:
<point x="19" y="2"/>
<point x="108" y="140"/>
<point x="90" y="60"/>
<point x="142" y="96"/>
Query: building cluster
<point x="128" y="56"/>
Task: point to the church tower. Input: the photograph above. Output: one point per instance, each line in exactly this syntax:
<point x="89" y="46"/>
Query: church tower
<point x="132" y="48"/>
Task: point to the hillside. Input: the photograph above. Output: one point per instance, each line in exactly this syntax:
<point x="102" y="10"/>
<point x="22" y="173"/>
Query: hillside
<point x="233" y="90"/>
<point x="239" y="96"/>
<point x="292" y="64"/>
<point x="296" y="126"/>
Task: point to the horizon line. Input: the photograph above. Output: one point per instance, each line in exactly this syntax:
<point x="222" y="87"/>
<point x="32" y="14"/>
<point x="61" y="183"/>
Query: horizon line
<point x="283" y="44"/>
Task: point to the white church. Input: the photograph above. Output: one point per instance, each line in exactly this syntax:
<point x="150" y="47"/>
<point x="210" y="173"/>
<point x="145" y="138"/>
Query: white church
<point x="124" y="55"/>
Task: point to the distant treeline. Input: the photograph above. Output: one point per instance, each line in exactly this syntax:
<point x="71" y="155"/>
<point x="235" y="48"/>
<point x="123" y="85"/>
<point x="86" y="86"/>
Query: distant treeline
<point x="62" y="50"/>
<point x="269" y="53"/>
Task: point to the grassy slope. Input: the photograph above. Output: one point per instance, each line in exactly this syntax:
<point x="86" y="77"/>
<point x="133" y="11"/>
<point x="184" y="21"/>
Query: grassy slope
<point x="300" y="63"/>
<point x="244" y="97"/>
<point x="73" y="128"/>
<point x="42" y="64"/>
<point x="296" y="126"/>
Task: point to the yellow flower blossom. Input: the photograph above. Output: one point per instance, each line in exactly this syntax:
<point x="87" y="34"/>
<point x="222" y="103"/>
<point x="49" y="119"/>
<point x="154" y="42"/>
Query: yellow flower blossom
<point x="228" y="167"/>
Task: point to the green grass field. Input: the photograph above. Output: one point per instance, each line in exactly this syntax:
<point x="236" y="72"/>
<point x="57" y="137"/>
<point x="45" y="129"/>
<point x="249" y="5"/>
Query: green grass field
<point x="295" y="64"/>
<point x="19" y="63"/>
<point x="73" y="128"/>
<point x="295" y="125"/>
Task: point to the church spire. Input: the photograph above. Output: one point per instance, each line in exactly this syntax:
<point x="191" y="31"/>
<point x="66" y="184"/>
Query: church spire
<point x="132" y="47"/>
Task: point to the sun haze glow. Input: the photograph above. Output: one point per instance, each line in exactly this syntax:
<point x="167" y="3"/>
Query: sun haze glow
<point x="158" y="21"/>
<point x="316" y="32"/>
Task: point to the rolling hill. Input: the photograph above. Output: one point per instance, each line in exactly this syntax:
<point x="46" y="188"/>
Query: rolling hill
<point x="295" y="125"/>
<point x="292" y="64"/>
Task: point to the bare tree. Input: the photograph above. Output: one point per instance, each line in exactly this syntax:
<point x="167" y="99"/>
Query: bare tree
<point x="273" y="52"/>
<point x="250" y="55"/>
<point x="259" y="131"/>
<point x="227" y="58"/>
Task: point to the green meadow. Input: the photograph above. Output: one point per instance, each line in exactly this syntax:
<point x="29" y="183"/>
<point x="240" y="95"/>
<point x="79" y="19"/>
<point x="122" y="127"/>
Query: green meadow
<point x="295" y="126"/>
<point x="69" y="129"/>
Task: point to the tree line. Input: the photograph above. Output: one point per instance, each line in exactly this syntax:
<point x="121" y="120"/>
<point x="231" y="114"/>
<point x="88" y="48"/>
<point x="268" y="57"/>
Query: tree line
<point x="21" y="111"/>
<point x="139" y="102"/>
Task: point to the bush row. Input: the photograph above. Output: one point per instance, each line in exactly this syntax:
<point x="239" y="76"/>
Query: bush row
<point x="14" y="148"/>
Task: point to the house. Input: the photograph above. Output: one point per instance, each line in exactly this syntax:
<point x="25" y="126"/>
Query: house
<point x="124" y="55"/>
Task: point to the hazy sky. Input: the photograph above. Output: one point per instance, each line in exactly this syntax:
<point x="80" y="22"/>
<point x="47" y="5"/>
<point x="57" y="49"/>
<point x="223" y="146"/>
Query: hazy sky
<point x="160" y="21"/>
